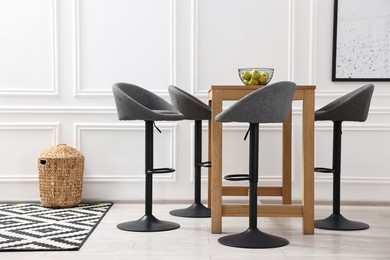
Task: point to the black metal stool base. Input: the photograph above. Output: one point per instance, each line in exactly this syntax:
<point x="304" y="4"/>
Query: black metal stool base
<point x="148" y="223"/>
<point x="253" y="238"/>
<point x="338" y="222"/>
<point x="196" y="210"/>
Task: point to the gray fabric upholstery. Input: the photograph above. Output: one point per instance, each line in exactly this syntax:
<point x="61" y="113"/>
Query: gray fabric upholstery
<point x="353" y="106"/>
<point x="191" y="107"/>
<point x="136" y="103"/>
<point x="270" y="104"/>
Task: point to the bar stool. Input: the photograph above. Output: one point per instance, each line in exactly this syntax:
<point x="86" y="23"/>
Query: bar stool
<point x="136" y="103"/>
<point x="193" y="109"/>
<point x="353" y="106"/>
<point x="270" y="104"/>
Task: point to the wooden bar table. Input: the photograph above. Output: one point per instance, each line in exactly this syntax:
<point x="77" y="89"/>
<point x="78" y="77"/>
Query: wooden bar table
<point x="216" y="96"/>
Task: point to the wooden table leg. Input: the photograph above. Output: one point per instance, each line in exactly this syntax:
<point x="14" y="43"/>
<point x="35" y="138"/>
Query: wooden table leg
<point x="216" y="165"/>
<point x="286" y="166"/>
<point x="209" y="159"/>
<point x="308" y="162"/>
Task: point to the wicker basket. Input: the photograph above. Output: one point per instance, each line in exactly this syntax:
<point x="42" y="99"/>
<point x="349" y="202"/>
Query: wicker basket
<point x="61" y="170"/>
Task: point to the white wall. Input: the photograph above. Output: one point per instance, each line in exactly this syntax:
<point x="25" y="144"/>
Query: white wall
<point x="59" y="59"/>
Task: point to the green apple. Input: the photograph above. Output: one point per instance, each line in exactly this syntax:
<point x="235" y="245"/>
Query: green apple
<point x="255" y="74"/>
<point x="263" y="78"/>
<point x="246" y="82"/>
<point x="253" y="81"/>
<point x="246" y="75"/>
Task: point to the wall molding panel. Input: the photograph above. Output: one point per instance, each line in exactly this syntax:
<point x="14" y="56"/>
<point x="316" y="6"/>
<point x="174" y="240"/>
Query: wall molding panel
<point x="79" y="91"/>
<point x="54" y="127"/>
<point x="355" y="180"/>
<point x="195" y="47"/>
<point x="365" y="128"/>
<point x="110" y="130"/>
<point x="338" y="93"/>
<point x="313" y="41"/>
<point x="28" y="127"/>
<point x="52" y="89"/>
<point x="291" y="38"/>
<point x="58" y="110"/>
<point x="194" y="50"/>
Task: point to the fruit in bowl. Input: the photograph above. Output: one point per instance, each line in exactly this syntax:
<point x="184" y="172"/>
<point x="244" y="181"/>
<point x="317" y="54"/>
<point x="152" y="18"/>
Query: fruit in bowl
<point x="255" y="76"/>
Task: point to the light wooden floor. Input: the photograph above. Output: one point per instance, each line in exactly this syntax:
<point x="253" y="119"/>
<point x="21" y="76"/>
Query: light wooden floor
<point x="194" y="241"/>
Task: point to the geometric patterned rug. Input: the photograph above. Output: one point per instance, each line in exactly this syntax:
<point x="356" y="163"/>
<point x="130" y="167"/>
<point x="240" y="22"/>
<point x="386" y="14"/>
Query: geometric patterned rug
<point x="32" y="227"/>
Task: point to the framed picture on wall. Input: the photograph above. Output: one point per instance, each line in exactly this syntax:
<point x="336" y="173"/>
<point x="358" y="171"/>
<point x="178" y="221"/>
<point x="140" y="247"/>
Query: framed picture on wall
<point x="361" y="40"/>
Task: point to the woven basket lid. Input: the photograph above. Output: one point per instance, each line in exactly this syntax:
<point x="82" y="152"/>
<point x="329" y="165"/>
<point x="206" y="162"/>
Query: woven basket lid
<point x="60" y="151"/>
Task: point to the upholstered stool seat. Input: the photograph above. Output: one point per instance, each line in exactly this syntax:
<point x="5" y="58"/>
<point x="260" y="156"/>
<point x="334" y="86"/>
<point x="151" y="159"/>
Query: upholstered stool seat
<point x="353" y="106"/>
<point x="136" y="103"/>
<point x="193" y="109"/>
<point x="270" y="104"/>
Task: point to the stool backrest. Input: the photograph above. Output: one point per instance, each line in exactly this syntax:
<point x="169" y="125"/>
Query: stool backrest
<point x="190" y="106"/>
<point x="270" y="104"/>
<point x="136" y="103"/>
<point x="353" y="106"/>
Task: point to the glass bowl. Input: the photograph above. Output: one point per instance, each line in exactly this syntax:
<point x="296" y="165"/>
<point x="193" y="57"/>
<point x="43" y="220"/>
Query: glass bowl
<point x="255" y="76"/>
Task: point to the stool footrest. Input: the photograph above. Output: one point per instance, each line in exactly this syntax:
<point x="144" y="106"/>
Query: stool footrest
<point x="237" y="177"/>
<point x="160" y="170"/>
<point x="205" y="164"/>
<point x="324" y="170"/>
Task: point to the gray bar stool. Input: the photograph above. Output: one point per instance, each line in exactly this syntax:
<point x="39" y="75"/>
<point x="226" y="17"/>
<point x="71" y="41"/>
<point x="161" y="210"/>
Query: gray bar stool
<point x="193" y="109"/>
<point x="136" y="103"/>
<point x="353" y="106"/>
<point x="270" y="104"/>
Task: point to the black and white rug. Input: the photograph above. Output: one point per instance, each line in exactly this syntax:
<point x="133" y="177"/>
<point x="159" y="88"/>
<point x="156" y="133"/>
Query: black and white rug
<point x="32" y="227"/>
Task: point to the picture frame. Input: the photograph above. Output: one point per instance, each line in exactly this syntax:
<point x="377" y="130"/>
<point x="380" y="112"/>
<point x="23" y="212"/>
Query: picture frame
<point x="361" y="40"/>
